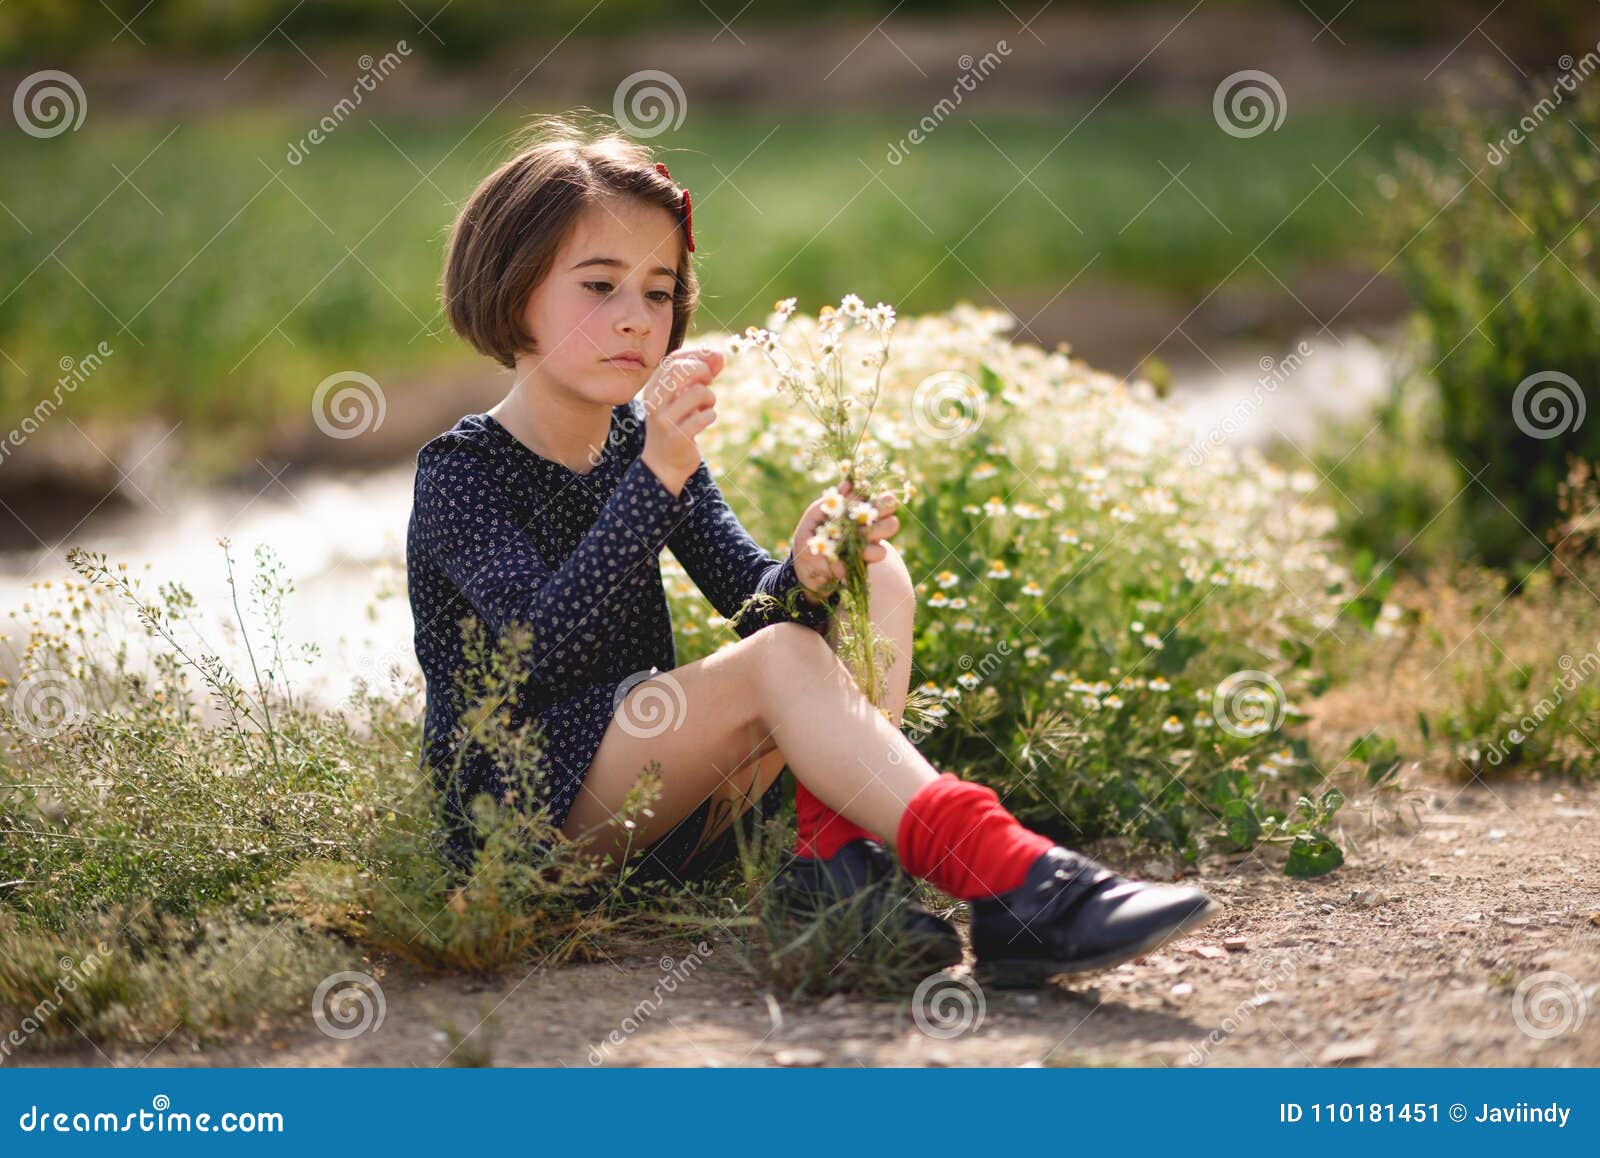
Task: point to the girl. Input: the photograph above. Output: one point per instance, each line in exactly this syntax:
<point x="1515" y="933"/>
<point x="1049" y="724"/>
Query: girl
<point x="571" y="266"/>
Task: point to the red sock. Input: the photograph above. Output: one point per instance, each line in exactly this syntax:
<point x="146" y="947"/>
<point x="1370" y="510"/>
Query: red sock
<point x="955" y="834"/>
<point x="819" y="830"/>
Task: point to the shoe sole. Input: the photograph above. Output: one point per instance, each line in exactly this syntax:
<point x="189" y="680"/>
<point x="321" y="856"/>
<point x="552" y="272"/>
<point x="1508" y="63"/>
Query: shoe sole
<point x="1025" y="972"/>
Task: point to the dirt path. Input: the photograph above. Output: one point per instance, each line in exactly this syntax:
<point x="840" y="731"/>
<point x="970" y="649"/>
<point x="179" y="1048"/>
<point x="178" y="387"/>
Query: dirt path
<point x="1410" y="954"/>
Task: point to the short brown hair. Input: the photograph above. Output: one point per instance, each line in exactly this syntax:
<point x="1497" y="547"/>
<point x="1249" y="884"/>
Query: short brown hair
<point x="505" y="239"/>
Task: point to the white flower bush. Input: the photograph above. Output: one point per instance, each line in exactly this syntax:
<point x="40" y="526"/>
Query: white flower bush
<point x="1085" y="580"/>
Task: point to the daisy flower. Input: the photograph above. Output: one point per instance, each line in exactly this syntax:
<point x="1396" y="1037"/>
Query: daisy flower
<point x="1172" y="726"/>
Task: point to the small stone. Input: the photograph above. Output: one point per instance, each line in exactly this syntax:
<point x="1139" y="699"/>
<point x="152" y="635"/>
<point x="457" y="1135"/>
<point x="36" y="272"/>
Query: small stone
<point x="1345" y="1051"/>
<point x="1182" y="989"/>
<point x="1235" y="944"/>
<point x="1516" y="922"/>
<point x="1327" y="908"/>
<point x="1209" y="952"/>
<point x="1497" y="834"/>
<point x="799" y="1056"/>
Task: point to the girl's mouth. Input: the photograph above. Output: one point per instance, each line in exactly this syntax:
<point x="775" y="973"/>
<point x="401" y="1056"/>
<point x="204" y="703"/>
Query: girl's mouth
<point x="626" y="362"/>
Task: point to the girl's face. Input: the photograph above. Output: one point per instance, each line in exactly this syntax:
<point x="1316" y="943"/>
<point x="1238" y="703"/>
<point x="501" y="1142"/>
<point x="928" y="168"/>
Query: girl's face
<point x="608" y="294"/>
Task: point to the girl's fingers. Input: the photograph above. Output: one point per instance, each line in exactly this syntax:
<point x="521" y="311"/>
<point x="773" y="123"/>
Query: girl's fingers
<point x="883" y="529"/>
<point x="696" y="398"/>
<point x="873" y="552"/>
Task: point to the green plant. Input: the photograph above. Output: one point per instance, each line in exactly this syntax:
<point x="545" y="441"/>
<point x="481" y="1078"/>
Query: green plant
<point x="1497" y="245"/>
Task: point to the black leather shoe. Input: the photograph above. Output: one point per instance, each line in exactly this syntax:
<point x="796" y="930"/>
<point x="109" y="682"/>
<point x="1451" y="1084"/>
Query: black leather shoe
<point x="863" y="875"/>
<point x="1072" y="915"/>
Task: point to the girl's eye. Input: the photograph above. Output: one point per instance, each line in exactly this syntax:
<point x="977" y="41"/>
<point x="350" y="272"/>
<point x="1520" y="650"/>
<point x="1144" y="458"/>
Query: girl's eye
<point x="659" y="297"/>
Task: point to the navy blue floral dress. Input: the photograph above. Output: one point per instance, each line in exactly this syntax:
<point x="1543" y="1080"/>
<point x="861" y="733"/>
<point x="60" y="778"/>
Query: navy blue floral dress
<point x="506" y="535"/>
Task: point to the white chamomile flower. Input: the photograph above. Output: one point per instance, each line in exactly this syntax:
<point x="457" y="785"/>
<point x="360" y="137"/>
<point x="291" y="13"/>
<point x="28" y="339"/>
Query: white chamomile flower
<point x="967" y="680"/>
<point x="863" y="514"/>
<point x="997" y="570"/>
<point x="823" y="544"/>
<point x="1158" y="684"/>
<point x="1032" y="589"/>
<point x="1113" y="701"/>
<point x="948" y="579"/>
<point x="1172" y="725"/>
<point x="832" y="503"/>
<point x="1151" y="640"/>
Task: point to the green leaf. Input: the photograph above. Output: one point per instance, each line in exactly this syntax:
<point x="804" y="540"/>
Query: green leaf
<point x="1312" y="854"/>
<point x="1240" y="821"/>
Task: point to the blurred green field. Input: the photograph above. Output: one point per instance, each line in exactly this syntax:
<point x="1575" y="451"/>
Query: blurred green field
<point x="229" y="282"/>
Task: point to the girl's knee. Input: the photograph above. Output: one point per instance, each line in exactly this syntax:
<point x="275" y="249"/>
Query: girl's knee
<point x="890" y="574"/>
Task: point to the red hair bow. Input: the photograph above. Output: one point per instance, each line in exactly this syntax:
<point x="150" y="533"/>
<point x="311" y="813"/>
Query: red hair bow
<point x="688" y="209"/>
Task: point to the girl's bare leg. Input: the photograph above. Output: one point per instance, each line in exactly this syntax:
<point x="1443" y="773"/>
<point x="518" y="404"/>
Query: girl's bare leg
<point x="892" y="605"/>
<point x="724" y="726"/>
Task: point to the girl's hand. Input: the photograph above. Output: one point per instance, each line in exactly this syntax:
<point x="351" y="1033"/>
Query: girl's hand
<point x="819" y="574"/>
<point x="678" y="405"/>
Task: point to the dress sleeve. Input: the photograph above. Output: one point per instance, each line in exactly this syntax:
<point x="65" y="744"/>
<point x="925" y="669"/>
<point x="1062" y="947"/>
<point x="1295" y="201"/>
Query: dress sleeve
<point x="729" y="566"/>
<point x="468" y="527"/>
